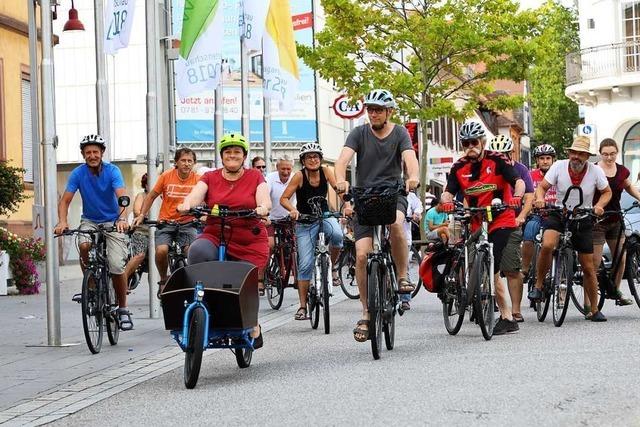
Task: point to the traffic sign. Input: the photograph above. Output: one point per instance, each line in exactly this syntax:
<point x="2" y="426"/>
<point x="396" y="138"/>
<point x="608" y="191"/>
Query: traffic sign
<point x="343" y="108"/>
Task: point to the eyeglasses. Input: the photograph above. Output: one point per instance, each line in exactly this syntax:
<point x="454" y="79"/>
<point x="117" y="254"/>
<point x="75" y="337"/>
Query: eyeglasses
<point x="469" y="143"/>
<point x="376" y="110"/>
<point x="609" y="154"/>
<point x="261" y="167"/>
<point x="312" y="156"/>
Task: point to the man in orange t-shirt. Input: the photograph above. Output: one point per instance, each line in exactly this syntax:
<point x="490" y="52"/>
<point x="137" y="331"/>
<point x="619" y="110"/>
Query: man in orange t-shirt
<point x="174" y="185"/>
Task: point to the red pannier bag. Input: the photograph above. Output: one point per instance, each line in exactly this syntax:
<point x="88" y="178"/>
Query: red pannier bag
<point x="434" y="268"/>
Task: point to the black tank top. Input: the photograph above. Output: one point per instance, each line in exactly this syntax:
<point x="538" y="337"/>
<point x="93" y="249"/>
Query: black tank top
<point x="307" y="191"/>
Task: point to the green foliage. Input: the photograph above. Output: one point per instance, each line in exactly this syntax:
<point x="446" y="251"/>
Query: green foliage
<point x="11" y="188"/>
<point x="437" y="58"/>
<point x="554" y="115"/>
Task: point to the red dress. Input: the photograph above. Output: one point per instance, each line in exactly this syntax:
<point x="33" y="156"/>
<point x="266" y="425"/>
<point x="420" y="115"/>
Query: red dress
<point x="246" y="238"/>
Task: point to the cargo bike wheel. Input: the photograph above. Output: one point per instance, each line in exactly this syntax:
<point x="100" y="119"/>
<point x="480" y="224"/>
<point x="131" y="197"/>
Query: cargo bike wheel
<point x="195" y="347"/>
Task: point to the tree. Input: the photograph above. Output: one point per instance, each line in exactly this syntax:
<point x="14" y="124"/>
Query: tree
<point x="11" y="188"/>
<point x="437" y="57"/>
<point x="554" y="115"/>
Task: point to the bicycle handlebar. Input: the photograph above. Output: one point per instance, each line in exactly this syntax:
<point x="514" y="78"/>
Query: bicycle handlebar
<point x="222" y="212"/>
<point x="101" y="229"/>
<point x="171" y="223"/>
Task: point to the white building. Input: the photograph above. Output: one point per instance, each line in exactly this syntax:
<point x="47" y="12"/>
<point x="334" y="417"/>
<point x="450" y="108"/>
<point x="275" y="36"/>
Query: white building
<point x="604" y="76"/>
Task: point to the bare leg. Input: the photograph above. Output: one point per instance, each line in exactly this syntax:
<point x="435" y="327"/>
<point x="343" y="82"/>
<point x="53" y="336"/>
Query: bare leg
<point x="589" y="280"/>
<point x="120" y="286"/>
<point x="514" y="281"/>
<point x="399" y="246"/>
<point x="527" y="255"/>
<point x="549" y="242"/>
<point x="363" y="247"/>
<point x="162" y="260"/>
<point x="501" y="298"/>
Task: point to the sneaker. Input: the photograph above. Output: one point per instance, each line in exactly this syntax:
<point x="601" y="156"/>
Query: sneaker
<point x="77" y="298"/>
<point x="598" y="317"/>
<point x="623" y="300"/>
<point x="504" y="326"/>
<point x="535" y="294"/>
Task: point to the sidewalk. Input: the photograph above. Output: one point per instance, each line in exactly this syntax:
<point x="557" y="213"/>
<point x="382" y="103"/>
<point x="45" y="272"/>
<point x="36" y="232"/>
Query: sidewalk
<point x="42" y="384"/>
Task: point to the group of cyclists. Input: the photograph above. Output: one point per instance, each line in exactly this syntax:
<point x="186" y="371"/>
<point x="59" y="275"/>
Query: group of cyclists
<point x="385" y="157"/>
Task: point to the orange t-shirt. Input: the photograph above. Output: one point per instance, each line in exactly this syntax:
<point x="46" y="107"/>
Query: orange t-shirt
<point x="173" y="191"/>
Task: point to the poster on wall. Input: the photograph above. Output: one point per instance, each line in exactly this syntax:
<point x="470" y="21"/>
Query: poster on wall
<point x="195" y="114"/>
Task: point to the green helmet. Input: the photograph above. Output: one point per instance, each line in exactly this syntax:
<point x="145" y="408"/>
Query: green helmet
<point x="233" y="140"/>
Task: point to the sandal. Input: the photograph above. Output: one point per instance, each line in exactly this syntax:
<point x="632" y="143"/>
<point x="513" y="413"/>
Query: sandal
<point x="124" y="319"/>
<point x="261" y="287"/>
<point x="258" y="342"/>
<point x="336" y="277"/>
<point x="518" y="317"/>
<point x="405" y="286"/>
<point x="301" y="314"/>
<point x="361" y="334"/>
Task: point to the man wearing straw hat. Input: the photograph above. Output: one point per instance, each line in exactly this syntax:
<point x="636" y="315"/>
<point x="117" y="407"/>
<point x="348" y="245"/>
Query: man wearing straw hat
<point x="566" y="175"/>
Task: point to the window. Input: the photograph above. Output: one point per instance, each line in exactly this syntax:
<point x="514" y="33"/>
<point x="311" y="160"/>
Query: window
<point x="27" y="143"/>
<point x="631" y="25"/>
<point x="631" y="151"/>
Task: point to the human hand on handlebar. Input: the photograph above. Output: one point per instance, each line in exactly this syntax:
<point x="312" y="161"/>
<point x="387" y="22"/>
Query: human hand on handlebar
<point x="411" y="184"/>
<point x="342" y="187"/>
<point x="294" y="214"/>
<point x="262" y="211"/>
<point x="122" y="225"/>
<point x="184" y="207"/>
<point x="60" y="227"/>
<point x="599" y="211"/>
<point x="137" y="221"/>
<point x="539" y="203"/>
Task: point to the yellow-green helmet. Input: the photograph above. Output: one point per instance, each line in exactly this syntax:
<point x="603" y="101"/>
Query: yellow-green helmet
<point x="233" y="140"/>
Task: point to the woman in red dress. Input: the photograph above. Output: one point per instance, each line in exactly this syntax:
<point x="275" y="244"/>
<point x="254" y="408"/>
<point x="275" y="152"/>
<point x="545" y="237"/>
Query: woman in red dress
<point x="237" y="188"/>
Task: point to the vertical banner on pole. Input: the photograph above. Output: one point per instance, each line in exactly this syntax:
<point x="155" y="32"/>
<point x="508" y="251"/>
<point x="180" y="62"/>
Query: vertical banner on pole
<point x="118" y="22"/>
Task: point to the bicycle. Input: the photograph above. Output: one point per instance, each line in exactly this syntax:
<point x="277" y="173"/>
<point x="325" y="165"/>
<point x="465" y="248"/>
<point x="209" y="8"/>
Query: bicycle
<point x="229" y="289"/>
<point x="377" y="207"/>
<point x="321" y="281"/>
<point x="283" y="262"/>
<point x="609" y="269"/>
<point x="347" y="267"/>
<point x="177" y="255"/>
<point x="479" y="294"/>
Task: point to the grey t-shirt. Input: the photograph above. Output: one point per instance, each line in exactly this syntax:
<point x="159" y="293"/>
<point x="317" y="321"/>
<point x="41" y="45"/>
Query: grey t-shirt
<point x="379" y="160"/>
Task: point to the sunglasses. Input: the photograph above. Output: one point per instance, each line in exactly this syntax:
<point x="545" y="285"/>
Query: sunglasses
<point x="261" y="167"/>
<point x="376" y="110"/>
<point x="470" y="143"/>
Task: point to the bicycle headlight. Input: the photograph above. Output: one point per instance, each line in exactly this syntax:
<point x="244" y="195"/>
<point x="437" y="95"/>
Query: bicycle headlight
<point x="200" y="294"/>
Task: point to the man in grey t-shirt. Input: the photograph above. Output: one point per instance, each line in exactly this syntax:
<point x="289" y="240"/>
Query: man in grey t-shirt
<point x="381" y="148"/>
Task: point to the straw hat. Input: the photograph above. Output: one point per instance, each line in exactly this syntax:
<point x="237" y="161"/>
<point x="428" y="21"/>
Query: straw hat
<point x="582" y="144"/>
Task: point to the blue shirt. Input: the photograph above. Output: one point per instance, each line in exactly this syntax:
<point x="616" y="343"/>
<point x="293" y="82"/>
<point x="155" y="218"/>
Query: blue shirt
<point x="434" y="216"/>
<point x="98" y="192"/>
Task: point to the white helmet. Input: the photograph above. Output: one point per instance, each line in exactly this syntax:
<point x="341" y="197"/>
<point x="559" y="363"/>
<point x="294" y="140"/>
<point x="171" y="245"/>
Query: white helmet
<point x="310" y="147"/>
<point x="501" y="144"/>
<point x="544" y="150"/>
<point x="92" y="140"/>
<point x="471" y="130"/>
<point x="380" y="97"/>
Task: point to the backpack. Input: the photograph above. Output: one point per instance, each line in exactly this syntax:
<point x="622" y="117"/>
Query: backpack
<point x="434" y="268"/>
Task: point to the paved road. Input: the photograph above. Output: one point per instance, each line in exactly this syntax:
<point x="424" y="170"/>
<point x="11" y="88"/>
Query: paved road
<point x="581" y="374"/>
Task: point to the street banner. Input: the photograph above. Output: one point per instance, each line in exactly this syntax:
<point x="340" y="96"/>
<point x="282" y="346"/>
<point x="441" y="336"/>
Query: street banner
<point x="118" y="21"/>
<point x="280" y="58"/>
<point x="253" y="20"/>
<point x="198" y="67"/>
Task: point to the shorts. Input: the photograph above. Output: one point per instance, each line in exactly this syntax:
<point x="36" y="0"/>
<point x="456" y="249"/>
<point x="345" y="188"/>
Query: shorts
<point x="432" y="235"/>
<point x="607" y="231"/>
<point x="186" y="235"/>
<point x="532" y="228"/>
<point x="506" y="249"/>
<point x="117" y="245"/>
<point x="139" y="242"/>
<point x="581" y="231"/>
<point x="362" y="231"/>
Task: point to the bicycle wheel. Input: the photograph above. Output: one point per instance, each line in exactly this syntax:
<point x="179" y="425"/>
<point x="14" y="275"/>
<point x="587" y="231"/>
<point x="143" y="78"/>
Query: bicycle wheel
<point x="178" y="262"/>
<point x="92" y="319"/>
<point x="324" y="292"/>
<point x="375" y="308"/>
<point x="389" y="312"/>
<point x="563" y="276"/>
<point x="578" y="294"/>
<point x="243" y="357"/>
<point x="113" y="327"/>
<point x="542" y="307"/>
<point x="483" y="294"/>
<point x="134" y="279"/>
<point x="313" y="305"/>
<point x="273" y="283"/>
<point x="417" y="289"/>
<point x="193" y="352"/>
<point x="453" y="301"/>
<point x="347" y="272"/>
<point x="633" y="271"/>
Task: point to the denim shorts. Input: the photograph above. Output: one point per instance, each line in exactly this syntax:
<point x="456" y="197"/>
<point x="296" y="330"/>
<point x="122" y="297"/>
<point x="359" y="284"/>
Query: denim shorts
<point x="307" y="235"/>
<point x="532" y="228"/>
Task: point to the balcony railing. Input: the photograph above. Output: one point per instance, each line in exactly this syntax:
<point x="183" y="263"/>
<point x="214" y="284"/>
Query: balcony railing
<point x="603" y="61"/>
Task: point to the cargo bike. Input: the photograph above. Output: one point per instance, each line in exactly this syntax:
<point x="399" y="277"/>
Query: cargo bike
<point x="213" y="304"/>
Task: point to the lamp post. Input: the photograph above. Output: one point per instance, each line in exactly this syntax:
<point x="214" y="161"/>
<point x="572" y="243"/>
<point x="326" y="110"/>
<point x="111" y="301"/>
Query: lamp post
<point x="102" y="94"/>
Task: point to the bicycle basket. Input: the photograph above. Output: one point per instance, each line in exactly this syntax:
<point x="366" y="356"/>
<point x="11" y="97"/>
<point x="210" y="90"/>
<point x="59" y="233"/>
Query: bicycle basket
<point x="375" y="207"/>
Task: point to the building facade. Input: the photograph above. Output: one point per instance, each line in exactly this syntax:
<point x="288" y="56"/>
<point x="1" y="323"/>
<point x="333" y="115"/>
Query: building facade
<point x="604" y="76"/>
<point x="15" y="106"/>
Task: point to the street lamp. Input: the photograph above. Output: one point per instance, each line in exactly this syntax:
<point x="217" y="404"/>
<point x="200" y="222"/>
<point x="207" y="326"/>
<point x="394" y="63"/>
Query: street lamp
<point x="73" y="24"/>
